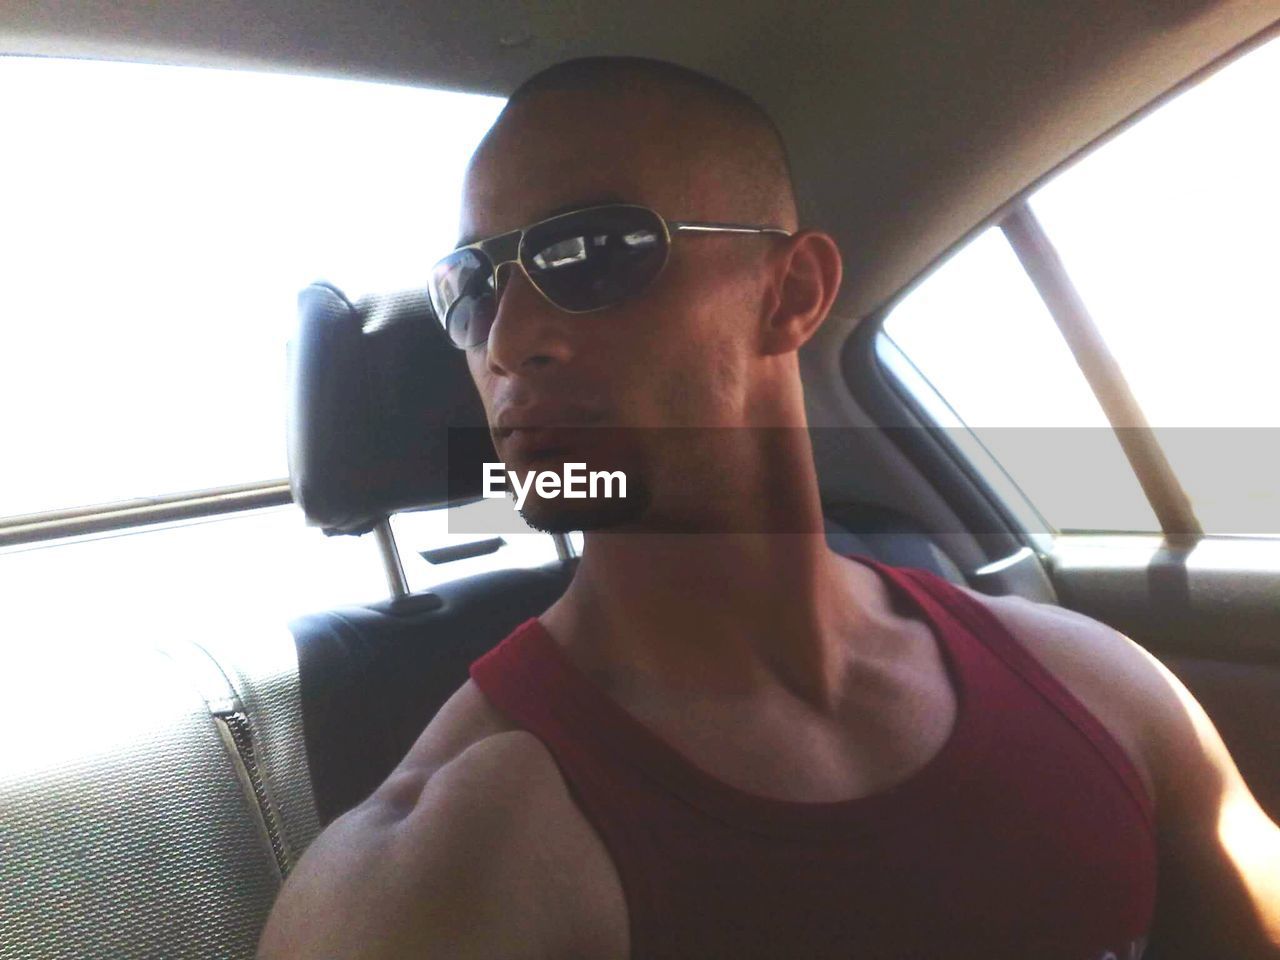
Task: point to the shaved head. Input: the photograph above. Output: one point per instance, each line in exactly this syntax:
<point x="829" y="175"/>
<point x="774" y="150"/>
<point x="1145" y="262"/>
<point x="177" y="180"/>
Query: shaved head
<point x="720" y="153"/>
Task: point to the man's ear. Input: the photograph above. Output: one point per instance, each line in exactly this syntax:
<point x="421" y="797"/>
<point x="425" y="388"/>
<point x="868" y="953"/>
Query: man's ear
<point x="806" y="271"/>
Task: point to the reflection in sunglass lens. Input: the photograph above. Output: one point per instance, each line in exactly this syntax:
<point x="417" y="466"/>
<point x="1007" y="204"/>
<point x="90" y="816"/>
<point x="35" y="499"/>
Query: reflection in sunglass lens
<point x="596" y="258"/>
<point x="463" y="298"/>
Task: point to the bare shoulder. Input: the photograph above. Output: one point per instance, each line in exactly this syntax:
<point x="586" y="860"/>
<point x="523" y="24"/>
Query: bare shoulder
<point x="472" y="847"/>
<point x="1089" y="653"/>
<point x="467" y="718"/>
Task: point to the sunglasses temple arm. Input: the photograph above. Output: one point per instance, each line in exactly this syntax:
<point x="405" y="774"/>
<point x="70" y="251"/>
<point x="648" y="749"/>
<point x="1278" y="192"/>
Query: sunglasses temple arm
<point x="697" y="226"/>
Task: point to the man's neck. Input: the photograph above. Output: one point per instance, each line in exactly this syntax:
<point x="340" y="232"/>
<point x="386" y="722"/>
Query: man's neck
<point x="716" y="615"/>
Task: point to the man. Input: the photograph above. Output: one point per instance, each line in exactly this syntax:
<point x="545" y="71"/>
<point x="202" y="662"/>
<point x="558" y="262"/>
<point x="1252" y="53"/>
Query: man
<point x="725" y="740"/>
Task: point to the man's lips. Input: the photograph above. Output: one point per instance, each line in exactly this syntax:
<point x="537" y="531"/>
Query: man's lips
<point x="526" y="444"/>
<point x="538" y="418"/>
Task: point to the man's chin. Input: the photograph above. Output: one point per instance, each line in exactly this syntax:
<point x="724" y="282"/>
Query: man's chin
<point x="563" y="516"/>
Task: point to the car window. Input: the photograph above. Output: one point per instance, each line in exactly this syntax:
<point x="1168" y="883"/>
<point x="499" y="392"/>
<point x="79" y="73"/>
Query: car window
<point x="977" y="334"/>
<point x="167" y="218"/>
<point x="258" y="568"/>
<point x="1168" y="233"/>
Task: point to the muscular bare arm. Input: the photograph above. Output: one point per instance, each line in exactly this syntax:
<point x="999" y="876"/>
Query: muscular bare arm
<point x="458" y="863"/>
<point x="1219" y="852"/>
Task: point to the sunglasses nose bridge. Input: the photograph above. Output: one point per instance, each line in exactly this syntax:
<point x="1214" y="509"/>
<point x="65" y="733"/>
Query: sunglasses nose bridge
<point x="508" y="251"/>
<point x="504" y="249"/>
<point x="512" y="265"/>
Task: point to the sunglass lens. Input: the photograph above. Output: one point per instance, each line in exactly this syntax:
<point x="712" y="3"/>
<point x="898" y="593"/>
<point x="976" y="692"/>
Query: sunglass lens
<point x="463" y="298"/>
<point x="595" y="258"/>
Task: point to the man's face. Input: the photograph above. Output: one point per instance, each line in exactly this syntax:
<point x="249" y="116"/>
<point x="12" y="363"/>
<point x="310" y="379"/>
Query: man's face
<point x="680" y="355"/>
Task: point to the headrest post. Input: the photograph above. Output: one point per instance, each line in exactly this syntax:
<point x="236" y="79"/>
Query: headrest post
<point x="391" y="558"/>
<point x="564" y="547"/>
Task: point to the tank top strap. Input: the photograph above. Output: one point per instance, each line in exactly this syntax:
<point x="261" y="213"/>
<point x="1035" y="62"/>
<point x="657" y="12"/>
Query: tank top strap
<point x="530" y="680"/>
<point x="530" y="687"/>
<point x="941" y="595"/>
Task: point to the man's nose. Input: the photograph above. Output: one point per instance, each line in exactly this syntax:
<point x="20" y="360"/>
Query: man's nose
<point x="528" y="332"/>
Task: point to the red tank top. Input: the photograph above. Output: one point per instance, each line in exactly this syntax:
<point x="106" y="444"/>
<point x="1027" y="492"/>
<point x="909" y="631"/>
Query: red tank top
<point x="1028" y="836"/>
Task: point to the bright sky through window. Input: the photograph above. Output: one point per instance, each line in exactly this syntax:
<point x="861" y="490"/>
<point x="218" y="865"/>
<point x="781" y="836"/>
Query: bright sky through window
<point x="158" y="224"/>
<point x="1168" y="232"/>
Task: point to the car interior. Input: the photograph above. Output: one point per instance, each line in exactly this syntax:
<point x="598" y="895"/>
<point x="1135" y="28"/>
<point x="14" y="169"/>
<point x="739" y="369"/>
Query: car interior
<point x="155" y="794"/>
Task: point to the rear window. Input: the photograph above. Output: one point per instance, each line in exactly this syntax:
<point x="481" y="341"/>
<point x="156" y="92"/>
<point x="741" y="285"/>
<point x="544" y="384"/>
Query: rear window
<point x="165" y="221"/>
<point x="167" y="218"/>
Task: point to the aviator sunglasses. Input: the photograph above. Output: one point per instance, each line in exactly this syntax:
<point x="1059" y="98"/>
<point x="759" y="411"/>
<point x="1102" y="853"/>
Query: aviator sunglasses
<point x="580" y="261"/>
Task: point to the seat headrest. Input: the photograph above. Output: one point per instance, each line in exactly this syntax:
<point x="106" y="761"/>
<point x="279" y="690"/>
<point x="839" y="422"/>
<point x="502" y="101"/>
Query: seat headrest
<point x="383" y="414"/>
